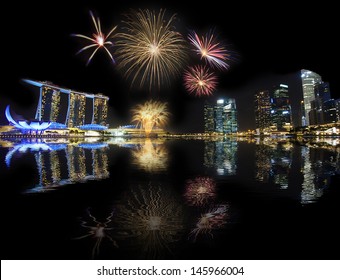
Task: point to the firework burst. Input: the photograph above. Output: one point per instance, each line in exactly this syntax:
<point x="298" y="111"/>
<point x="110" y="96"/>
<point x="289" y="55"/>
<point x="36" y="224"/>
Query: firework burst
<point x="150" y="156"/>
<point x="200" y="191"/>
<point x="151" y="218"/>
<point x="214" y="219"/>
<point x="149" y="50"/>
<point x="198" y="80"/>
<point x="98" y="39"/>
<point x="150" y="114"/>
<point x="210" y="49"/>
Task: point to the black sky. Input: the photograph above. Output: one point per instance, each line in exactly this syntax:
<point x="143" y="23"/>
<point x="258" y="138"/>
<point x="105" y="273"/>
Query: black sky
<point x="271" y="44"/>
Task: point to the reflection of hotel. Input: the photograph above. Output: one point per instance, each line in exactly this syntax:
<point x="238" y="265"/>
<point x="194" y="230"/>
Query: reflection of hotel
<point x="81" y="109"/>
<point x="61" y="164"/>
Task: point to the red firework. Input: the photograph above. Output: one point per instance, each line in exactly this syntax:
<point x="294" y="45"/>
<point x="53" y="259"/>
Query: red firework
<point x="198" y="80"/>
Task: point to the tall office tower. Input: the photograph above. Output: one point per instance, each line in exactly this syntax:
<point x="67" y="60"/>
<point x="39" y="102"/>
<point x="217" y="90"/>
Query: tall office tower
<point x="225" y="116"/>
<point x="281" y="113"/>
<point x="209" y="123"/>
<point x="100" y="109"/>
<point x="316" y="115"/>
<point x="262" y="107"/>
<point x="221" y="117"/>
<point x="323" y="108"/>
<point x="329" y="111"/>
<point x="48" y="108"/>
<point x="76" y="109"/>
<point x="337" y="107"/>
<point x="309" y="80"/>
<point x="322" y="91"/>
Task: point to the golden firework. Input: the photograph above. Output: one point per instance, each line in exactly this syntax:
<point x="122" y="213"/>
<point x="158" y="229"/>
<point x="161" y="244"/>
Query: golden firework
<point x="149" y="50"/>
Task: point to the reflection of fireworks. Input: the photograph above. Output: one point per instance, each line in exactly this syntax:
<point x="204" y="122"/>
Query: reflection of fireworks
<point x="199" y="80"/>
<point x="212" y="220"/>
<point x="153" y="218"/>
<point x="150" y="114"/>
<point x="99" y="39"/>
<point x="210" y="49"/>
<point x="200" y="190"/>
<point x="150" y="50"/>
<point x="151" y="157"/>
<point x="97" y="231"/>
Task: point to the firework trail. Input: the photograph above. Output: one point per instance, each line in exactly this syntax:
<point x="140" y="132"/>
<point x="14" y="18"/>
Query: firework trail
<point x="210" y="49"/>
<point x="150" y="50"/>
<point x="98" y="39"/>
<point x="198" y="80"/>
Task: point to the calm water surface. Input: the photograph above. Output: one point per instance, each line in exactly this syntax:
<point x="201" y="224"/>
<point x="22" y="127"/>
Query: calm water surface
<point x="170" y="198"/>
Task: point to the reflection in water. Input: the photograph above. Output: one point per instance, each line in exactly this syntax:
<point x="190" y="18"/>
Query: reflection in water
<point x="273" y="161"/>
<point x="209" y="221"/>
<point x="63" y="163"/>
<point x="318" y="159"/>
<point x="200" y="191"/>
<point x="98" y="231"/>
<point x="318" y="165"/>
<point x="221" y="155"/>
<point x="150" y="156"/>
<point x="151" y="219"/>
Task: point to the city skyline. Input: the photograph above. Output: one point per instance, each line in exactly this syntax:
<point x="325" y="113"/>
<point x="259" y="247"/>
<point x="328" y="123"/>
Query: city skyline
<point x="255" y="66"/>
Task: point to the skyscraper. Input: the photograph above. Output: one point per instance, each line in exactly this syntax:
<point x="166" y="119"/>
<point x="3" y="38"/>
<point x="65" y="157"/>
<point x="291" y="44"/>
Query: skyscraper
<point x="48" y="107"/>
<point x="262" y="108"/>
<point x="309" y="80"/>
<point x="221" y="117"/>
<point x="281" y="112"/>
<point x="100" y="109"/>
<point x="83" y="109"/>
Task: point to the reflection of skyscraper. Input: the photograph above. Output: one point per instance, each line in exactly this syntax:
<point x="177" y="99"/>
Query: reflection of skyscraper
<point x="76" y="163"/>
<point x="262" y="163"/>
<point x="262" y="110"/>
<point x="221" y="117"/>
<point x="221" y="155"/>
<point x="272" y="162"/>
<point x="309" y="80"/>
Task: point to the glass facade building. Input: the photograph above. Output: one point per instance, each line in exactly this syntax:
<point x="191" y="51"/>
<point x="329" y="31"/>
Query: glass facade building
<point x="281" y="113"/>
<point x="262" y="107"/>
<point x="309" y="80"/>
<point x="221" y="117"/>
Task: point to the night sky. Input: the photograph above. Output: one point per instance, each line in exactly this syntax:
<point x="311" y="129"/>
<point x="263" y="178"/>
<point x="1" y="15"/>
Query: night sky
<point x="270" y="44"/>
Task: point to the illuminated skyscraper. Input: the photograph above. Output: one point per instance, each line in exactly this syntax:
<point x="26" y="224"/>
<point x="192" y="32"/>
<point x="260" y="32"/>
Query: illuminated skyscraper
<point x="83" y="110"/>
<point x="309" y="80"/>
<point x="221" y="117"/>
<point x="262" y="110"/>
<point x="48" y="108"/>
<point x="281" y="112"/>
<point x="209" y="124"/>
<point x="76" y="109"/>
<point x="100" y="109"/>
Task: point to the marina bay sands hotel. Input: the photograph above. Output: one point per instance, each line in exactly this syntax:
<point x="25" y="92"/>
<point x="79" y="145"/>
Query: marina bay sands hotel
<point x="66" y="108"/>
